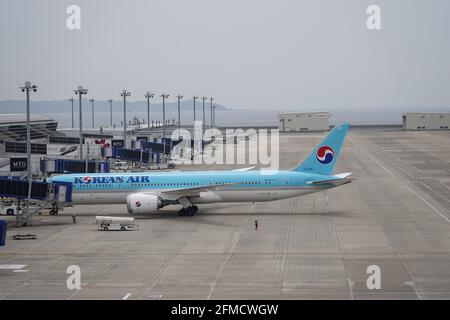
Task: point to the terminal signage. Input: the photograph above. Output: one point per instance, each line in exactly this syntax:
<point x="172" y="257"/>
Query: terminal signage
<point x="117" y="143"/>
<point x="18" y="164"/>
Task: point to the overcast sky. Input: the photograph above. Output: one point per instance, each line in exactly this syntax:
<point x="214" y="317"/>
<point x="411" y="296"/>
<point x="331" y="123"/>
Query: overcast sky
<point x="277" y="54"/>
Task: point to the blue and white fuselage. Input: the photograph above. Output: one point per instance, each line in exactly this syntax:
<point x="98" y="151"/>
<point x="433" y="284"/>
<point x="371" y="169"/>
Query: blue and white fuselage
<point x="147" y="192"/>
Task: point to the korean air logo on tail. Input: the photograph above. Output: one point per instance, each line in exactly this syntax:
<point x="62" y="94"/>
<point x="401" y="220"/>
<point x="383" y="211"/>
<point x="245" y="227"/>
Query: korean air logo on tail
<point x="324" y="154"/>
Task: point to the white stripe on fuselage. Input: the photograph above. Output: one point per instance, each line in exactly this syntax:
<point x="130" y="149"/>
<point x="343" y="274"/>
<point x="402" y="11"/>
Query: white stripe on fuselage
<point x="249" y="195"/>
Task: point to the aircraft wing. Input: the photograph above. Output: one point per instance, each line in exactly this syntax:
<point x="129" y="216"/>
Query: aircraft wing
<point x="193" y="191"/>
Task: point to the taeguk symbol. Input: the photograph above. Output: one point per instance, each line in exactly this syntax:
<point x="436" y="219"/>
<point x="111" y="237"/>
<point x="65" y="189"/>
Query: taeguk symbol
<point x="87" y="179"/>
<point x="138" y="204"/>
<point x="325" y="154"/>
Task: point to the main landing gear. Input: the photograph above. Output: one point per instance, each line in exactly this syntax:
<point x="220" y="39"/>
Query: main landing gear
<point x="189" y="211"/>
<point x="188" y="208"/>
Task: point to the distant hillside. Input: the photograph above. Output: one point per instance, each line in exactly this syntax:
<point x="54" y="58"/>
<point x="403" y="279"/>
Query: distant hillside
<point x="64" y="106"/>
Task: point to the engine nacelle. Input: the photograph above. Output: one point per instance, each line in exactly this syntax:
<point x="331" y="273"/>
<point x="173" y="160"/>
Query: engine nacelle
<point x="141" y="203"/>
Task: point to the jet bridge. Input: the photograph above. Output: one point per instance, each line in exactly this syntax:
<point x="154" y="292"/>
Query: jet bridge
<point x="46" y="195"/>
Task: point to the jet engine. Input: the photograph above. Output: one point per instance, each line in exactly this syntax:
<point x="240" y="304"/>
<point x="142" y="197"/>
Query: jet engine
<point x="142" y="203"/>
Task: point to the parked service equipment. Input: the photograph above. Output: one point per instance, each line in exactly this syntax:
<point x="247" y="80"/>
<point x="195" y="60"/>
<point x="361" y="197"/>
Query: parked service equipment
<point x="114" y="223"/>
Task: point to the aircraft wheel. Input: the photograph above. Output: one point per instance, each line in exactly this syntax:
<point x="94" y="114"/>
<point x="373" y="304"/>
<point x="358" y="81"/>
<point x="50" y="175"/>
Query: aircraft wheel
<point x="182" y="212"/>
<point x="191" y="211"/>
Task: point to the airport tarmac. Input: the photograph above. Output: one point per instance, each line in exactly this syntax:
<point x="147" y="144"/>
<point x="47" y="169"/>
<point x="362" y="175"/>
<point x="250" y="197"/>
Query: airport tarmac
<point x="395" y="215"/>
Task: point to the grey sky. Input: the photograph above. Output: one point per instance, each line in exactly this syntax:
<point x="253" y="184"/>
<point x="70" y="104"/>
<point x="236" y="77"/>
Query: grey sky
<point x="246" y="53"/>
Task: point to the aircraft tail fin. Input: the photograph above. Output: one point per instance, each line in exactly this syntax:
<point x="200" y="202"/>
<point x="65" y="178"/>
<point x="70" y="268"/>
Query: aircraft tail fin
<point x="324" y="156"/>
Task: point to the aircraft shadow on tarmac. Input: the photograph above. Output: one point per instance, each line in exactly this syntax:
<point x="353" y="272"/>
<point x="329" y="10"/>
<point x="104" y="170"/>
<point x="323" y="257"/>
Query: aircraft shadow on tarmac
<point x="174" y="214"/>
<point x="199" y="218"/>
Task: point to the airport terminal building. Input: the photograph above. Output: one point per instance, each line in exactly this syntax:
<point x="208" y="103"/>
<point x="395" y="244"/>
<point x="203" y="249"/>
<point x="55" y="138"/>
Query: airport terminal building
<point x="304" y="121"/>
<point x="426" y="120"/>
<point x="13" y="127"/>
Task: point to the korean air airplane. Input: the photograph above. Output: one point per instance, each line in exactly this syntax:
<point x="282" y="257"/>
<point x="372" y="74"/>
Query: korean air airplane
<point x="146" y="193"/>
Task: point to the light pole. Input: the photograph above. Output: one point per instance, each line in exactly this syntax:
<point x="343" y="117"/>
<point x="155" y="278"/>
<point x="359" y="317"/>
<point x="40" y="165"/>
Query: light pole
<point x="214" y="115"/>
<point x="164" y="96"/>
<point x="203" y="119"/>
<point x="148" y="95"/>
<point x="211" y="106"/>
<point x="71" y="100"/>
<point x="203" y="124"/>
<point x="193" y="128"/>
<point x="80" y="91"/>
<point x="26" y="88"/>
<point x="92" y="102"/>
<point x="194" y="98"/>
<point x="110" y="112"/>
<point x="125" y="94"/>
<point x="179" y="97"/>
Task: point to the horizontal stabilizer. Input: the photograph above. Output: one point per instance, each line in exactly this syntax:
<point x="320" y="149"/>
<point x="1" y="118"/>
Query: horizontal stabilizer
<point x="343" y="175"/>
<point x="244" y="169"/>
<point x="336" y="180"/>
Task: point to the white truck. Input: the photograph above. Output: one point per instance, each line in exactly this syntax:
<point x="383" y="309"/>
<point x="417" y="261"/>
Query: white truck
<point x="8" y="209"/>
<point x="12" y="209"/>
<point x="120" y="165"/>
<point x="114" y="223"/>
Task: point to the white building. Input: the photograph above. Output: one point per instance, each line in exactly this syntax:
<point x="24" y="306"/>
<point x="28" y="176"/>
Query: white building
<point x="426" y="120"/>
<point x="304" y="121"/>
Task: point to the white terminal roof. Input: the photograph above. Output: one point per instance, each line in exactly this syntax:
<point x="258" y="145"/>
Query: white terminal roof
<point x="22" y="118"/>
<point x="312" y="112"/>
<point x="428" y="112"/>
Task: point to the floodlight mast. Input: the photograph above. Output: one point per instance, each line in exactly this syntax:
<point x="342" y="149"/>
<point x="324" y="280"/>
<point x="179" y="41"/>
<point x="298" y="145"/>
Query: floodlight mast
<point x="193" y="128"/>
<point x="125" y="94"/>
<point x="179" y="97"/>
<point x="164" y="96"/>
<point x="27" y="88"/>
<point x="211" y="106"/>
<point x="80" y="91"/>
<point x="203" y="124"/>
<point x="148" y="95"/>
